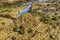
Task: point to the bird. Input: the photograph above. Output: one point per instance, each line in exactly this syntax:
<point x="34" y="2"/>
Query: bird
<point x="28" y="7"/>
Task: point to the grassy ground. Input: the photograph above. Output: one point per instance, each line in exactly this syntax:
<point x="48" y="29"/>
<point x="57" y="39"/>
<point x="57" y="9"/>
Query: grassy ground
<point x="34" y="26"/>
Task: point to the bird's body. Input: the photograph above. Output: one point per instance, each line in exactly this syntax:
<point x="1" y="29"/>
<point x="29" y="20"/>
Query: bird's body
<point x="24" y="11"/>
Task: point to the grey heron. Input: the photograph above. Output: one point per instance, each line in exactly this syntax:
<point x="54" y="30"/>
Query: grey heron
<point x="28" y="7"/>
